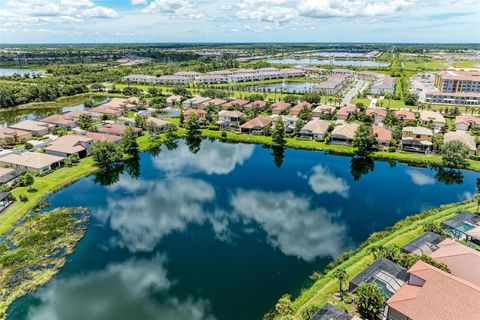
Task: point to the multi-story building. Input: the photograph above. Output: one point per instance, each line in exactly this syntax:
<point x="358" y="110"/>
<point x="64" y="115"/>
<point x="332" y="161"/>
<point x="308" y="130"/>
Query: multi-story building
<point x="456" y="87"/>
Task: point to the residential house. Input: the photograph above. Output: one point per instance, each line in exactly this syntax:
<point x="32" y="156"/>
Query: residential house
<point x="346" y="112"/>
<point x="289" y="122"/>
<point x="377" y="114"/>
<point x="159" y="123"/>
<point x="36" y="128"/>
<point x="346" y="72"/>
<point x="8" y="174"/>
<point x="323" y="110"/>
<point x="329" y="312"/>
<point x="295" y="111"/>
<point x="417" y="139"/>
<point x="463" y="137"/>
<point x="213" y="102"/>
<point x="212" y="79"/>
<point x="333" y="85"/>
<point x="383" y="136"/>
<point x="280" y="107"/>
<point x="61" y="121"/>
<point x="465" y="122"/>
<point x="74" y="114"/>
<point x="344" y="133"/>
<point x="256" y="125"/>
<point x="237" y="103"/>
<point x="258" y="104"/>
<point x="315" y="129"/>
<point x="426" y="243"/>
<point x="432" y="117"/>
<point x="116" y="129"/>
<point x="38" y="163"/>
<point x="431" y="293"/>
<point x="173" y="101"/>
<point x="404" y="115"/>
<point x="70" y="145"/>
<point x="195" y="102"/>
<point x="103" y="137"/>
<point x="229" y="119"/>
<point x="462" y="261"/>
<point x="188" y="74"/>
<point x="17" y="135"/>
<point x="201" y="114"/>
<point x="383" y="84"/>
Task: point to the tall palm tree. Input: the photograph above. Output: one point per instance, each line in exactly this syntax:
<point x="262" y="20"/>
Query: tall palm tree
<point x="341" y="275"/>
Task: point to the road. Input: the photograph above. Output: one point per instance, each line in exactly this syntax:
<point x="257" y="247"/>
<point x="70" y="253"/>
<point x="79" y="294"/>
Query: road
<point x="357" y="87"/>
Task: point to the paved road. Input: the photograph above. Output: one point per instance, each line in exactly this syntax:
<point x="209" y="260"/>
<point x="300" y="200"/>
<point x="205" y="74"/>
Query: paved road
<point x="357" y="87"/>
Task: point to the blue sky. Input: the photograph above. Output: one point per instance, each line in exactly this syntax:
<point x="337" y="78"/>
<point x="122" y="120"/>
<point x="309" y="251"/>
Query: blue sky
<point x="59" y="21"/>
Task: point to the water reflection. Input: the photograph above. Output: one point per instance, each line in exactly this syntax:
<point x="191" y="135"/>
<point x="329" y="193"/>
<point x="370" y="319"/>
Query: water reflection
<point x="212" y="158"/>
<point x="449" y="176"/>
<point x="323" y="181"/>
<point x="360" y="166"/>
<point x="123" y="291"/>
<point x="278" y="153"/>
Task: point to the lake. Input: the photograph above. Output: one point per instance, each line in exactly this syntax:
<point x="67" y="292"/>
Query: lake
<point x="355" y="63"/>
<point x="12" y="71"/>
<point x="292" y="87"/>
<point x="223" y="233"/>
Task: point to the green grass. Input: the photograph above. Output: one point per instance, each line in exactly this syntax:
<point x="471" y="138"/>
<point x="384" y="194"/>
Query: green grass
<point x="365" y="101"/>
<point x="468" y="64"/>
<point x="43" y="186"/>
<point x="324" y="289"/>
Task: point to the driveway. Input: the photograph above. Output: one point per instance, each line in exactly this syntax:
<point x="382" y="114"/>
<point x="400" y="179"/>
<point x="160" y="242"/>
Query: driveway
<point x="357" y="87"/>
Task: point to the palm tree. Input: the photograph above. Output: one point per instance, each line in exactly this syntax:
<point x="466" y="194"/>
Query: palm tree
<point x="341" y="275"/>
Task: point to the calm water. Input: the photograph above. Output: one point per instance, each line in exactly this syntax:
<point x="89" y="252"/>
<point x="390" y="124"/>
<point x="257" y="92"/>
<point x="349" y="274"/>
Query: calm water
<point x="223" y="233"/>
<point x="338" y="54"/>
<point x="293" y="87"/>
<point x="358" y="63"/>
<point x="12" y="71"/>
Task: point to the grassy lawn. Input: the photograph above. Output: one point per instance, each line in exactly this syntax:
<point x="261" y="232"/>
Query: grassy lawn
<point x="365" y="101"/>
<point x="43" y="186"/>
<point x="324" y="289"/>
<point x="468" y="64"/>
<point x="424" y="64"/>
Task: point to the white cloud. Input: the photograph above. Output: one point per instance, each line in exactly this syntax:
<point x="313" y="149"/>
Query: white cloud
<point x="420" y="178"/>
<point x="323" y="181"/>
<point x="159" y="207"/>
<point x="274" y="11"/>
<point x="127" y="290"/>
<point x="291" y="224"/>
<point x="179" y="9"/>
<point x="213" y="158"/>
<point x="352" y="8"/>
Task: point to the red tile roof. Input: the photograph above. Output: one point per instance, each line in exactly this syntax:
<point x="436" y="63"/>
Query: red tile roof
<point x="435" y="294"/>
<point x="381" y="133"/>
<point x="258" y="122"/>
<point x="376" y="112"/>
<point x="404" y="115"/>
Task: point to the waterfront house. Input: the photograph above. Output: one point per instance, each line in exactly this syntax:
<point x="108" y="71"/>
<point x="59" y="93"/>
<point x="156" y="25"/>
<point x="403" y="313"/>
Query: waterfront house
<point x="116" y="129"/>
<point x="105" y="110"/>
<point x="346" y="112"/>
<point x="195" y="102"/>
<point x="462" y="261"/>
<point x="302" y="106"/>
<point x="344" y="133"/>
<point x="258" y="104"/>
<point x="103" y="137"/>
<point x="464" y="138"/>
<point x="36" y="128"/>
<point x="431" y="293"/>
<point x="459" y="225"/>
<point x="315" y="129"/>
<point x="289" y="122"/>
<point x="383" y="136"/>
<point x="426" y="243"/>
<point x="159" y="123"/>
<point x="434" y="118"/>
<point x="389" y="275"/>
<point x="323" y="110"/>
<point x="404" y="115"/>
<point x="465" y="122"/>
<point x="173" y="101"/>
<point x="38" y="163"/>
<point x="417" y="139"/>
<point x="70" y="145"/>
<point x="256" y="125"/>
<point x="61" y="121"/>
<point x="201" y="114"/>
<point x="377" y="114"/>
<point x="329" y="312"/>
<point x="8" y="174"/>
<point x="6" y="199"/>
<point x="74" y="114"/>
<point x="280" y="107"/>
<point x="229" y="119"/>
<point x="17" y="135"/>
<point x="237" y="103"/>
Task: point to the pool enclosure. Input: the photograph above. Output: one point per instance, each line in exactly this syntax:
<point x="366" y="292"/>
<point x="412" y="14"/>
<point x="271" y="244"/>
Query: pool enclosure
<point x="424" y="244"/>
<point x="461" y="224"/>
<point x="388" y="275"/>
<point x="329" y="312"/>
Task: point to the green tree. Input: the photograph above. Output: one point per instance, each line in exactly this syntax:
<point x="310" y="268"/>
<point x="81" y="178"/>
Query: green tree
<point x="105" y="154"/>
<point x="284" y="306"/>
<point x="85" y="121"/>
<point x="369" y="299"/>
<point x="72" y="160"/>
<point x="278" y="131"/>
<point x="28" y="181"/>
<point x="308" y="312"/>
<point x="298" y="125"/>
<point x="455" y="154"/>
<point x="341" y="275"/>
<point x="363" y="139"/>
<point x="128" y="142"/>
<point x="182" y="119"/>
<point x="411" y="99"/>
<point x="192" y="126"/>
<point x="140" y="121"/>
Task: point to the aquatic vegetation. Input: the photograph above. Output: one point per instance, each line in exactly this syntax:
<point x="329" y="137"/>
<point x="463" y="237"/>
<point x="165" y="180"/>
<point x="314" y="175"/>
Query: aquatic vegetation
<point x="36" y="250"/>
